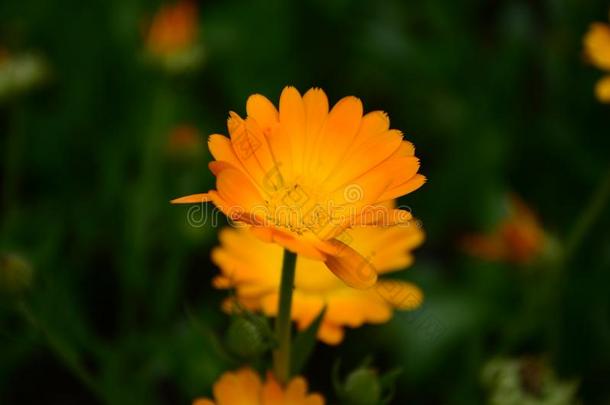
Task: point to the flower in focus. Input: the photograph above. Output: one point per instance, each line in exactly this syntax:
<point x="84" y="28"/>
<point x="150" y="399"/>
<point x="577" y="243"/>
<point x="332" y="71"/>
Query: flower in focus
<point x="172" y="36"/>
<point x="244" y="387"/>
<point x="301" y="176"/>
<point x="597" y="49"/>
<point x="518" y="238"/>
<point x="253" y="269"/>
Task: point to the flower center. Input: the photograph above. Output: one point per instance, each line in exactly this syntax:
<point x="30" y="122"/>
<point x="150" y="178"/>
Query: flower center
<point x="299" y="209"/>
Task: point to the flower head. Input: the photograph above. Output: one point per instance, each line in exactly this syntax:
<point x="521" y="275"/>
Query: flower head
<point x="172" y="37"/>
<point x="244" y="387"/>
<point x="597" y="49"/>
<point x="173" y="28"/>
<point x="185" y="141"/>
<point x="302" y="175"/>
<point x="252" y="268"/>
<point x="518" y="238"/>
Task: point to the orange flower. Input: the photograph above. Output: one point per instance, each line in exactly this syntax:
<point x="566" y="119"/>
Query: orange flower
<point x="302" y="175"/>
<point x="184" y="140"/>
<point x="173" y="29"/>
<point x="597" y="49"/>
<point x="518" y="238"/>
<point x="244" y="387"/>
<point x="253" y="268"/>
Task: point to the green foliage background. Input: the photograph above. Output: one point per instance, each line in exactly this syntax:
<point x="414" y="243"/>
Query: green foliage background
<point x="495" y="95"/>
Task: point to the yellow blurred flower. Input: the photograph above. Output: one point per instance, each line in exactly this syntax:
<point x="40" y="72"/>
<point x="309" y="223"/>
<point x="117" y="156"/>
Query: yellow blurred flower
<point x="518" y="238"/>
<point x="302" y="175"/>
<point x="244" y="387"/>
<point x="597" y="49"/>
<point x="253" y="269"/>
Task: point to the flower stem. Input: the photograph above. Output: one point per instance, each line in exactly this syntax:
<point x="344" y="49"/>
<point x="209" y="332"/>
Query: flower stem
<point x="281" y="356"/>
<point x="590" y="214"/>
<point x="63" y="352"/>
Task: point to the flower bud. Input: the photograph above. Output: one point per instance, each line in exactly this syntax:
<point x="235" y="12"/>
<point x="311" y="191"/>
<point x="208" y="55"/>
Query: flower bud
<point x="15" y="275"/>
<point x="362" y="387"/>
<point x="247" y="336"/>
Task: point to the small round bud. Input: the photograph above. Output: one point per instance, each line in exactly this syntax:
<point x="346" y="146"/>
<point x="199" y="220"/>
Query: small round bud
<point x="15" y="275"/>
<point x="362" y="387"/>
<point x="246" y="337"/>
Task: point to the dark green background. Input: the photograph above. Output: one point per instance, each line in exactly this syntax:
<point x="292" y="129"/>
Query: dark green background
<point x="496" y="96"/>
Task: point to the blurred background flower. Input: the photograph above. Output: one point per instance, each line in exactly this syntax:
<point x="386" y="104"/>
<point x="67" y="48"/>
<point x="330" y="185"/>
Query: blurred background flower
<point x="517" y="238"/>
<point x="527" y="381"/>
<point x="173" y="36"/>
<point x="597" y="50"/>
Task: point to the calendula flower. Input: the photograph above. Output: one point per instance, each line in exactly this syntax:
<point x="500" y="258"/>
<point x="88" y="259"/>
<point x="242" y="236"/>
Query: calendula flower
<point x="253" y="269"/>
<point x="244" y="387"/>
<point x="301" y="176"/>
<point x="172" y="36"/>
<point x="597" y="49"/>
<point x="173" y="28"/>
<point x="518" y="238"/>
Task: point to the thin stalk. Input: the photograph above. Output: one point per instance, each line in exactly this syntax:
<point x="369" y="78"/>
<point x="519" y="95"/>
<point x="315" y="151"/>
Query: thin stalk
<point x="63" y="352"/>
<point x="587" y="219"/>
<point x="282" y="355"/>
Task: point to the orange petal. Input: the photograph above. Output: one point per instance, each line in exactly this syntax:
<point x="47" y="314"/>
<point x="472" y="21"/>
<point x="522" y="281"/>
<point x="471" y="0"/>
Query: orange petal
<point x="240" y="387"/>
<point x="330" y="334"/>
<point x="203" y="401"/>
<point x="296" y="390"/>
<point x="337" y="135"/>
<point x="378" y="215"/>
<point x="192" y="199"/>
<point x="355" y="270"/>
<point x="262" y="110"/>
<point x="369" y="154"/>
<point x="217" y="166"/>
<point x="221" y="149"/>
<point x="405" y="188"/>
<point x="355" y="307"/>
<point x="292" y="124"/>
<point x="602" y="89"/>
<point x="372" y="124"/>
<point x="316" y="112"/>
<point x="297" y="245"/>
<point x="597" y="45"/>
<point x="400" y="294"/>
<point x="272" y="394"/>
<point x="405" y="149"/>
<point x="235" y="187"/>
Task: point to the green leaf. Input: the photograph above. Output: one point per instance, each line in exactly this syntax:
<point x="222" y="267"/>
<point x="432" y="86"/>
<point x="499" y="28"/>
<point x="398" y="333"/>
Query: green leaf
<point x="304" y="343"/>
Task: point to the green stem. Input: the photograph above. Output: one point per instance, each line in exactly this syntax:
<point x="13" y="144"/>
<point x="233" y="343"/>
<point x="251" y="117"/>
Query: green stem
<point x="587" y="219"/>
<point x="63" y="352"/>
<point x="282" y="355"/>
